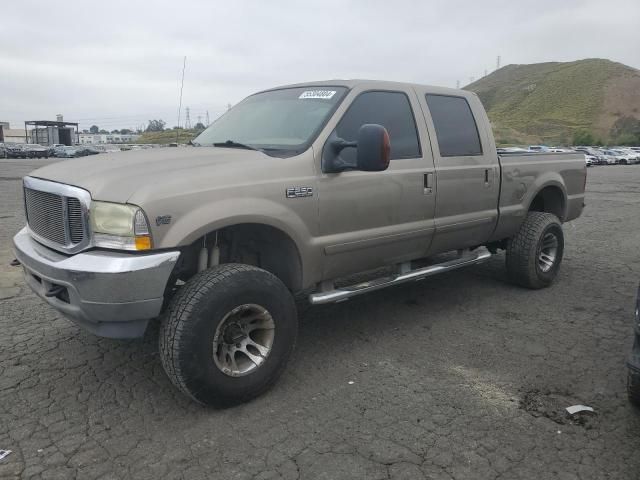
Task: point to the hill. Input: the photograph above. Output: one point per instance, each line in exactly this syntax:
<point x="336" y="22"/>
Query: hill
<point x="585" y="101"/>
<point x="168" y="136"/>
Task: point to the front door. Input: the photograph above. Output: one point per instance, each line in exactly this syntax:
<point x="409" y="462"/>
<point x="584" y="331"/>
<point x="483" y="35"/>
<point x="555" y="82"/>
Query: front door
<point x="371" y="219"/>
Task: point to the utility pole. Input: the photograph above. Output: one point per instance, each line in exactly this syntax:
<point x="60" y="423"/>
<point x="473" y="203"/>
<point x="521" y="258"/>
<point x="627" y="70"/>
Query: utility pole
<point x="498" y="63"/>
<point x="184" y="65"/>
<point x="207" y="118"/>
<point x="485" y="72"/>
<point x="199" y="118"/>
<point x="457" y="83"/>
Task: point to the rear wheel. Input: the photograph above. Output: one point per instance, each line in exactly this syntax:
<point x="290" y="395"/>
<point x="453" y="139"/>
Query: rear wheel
<point x="228" y="333"/>
<point x="534" y="254"/>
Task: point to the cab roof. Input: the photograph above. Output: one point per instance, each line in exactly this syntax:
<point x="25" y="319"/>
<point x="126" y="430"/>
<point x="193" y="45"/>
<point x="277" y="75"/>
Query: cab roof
<point x="378" y="85"/>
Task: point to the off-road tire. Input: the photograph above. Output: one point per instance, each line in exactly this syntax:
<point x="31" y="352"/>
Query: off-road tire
<point x="524" y="248"/>
<point x="189" y="324"/>
<point x="633" y="386"/>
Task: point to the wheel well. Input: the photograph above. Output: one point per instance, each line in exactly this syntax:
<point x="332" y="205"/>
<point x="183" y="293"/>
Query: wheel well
<point x="550" y="200"/>
<point x="252" y="244"/>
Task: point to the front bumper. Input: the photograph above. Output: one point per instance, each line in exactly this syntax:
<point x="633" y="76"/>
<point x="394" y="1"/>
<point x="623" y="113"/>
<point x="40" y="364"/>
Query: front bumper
<point x="111" y="294"/>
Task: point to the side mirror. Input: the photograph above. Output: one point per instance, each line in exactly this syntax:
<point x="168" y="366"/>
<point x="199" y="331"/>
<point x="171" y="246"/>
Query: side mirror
<point x="373" y="151"/>
<point x="374" y="148"/>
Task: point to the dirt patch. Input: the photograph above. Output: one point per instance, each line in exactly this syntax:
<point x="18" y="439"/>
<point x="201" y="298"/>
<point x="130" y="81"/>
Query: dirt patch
<point x="552" y="405"/>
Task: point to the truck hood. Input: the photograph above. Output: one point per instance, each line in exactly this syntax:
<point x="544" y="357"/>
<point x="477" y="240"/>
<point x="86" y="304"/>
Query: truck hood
<point x="115" y="177"/>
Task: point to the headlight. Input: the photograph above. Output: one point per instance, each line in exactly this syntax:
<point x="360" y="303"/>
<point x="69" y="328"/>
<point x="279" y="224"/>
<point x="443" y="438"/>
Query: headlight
<point x="119" y="226"/>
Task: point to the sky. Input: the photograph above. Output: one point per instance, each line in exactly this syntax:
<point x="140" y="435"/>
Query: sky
<point x="118" y="64"/>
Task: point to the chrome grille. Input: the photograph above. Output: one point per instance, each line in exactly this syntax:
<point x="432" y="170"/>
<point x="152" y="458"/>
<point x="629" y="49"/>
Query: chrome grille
<point x="57" y="214"/>
<point x="75" y="220"/>
<point x="45" y="215"/>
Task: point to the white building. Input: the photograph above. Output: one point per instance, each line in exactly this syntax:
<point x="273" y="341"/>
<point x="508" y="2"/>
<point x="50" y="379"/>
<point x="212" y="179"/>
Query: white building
<point x="11" y="135"/>
<point x="101" y="138"/>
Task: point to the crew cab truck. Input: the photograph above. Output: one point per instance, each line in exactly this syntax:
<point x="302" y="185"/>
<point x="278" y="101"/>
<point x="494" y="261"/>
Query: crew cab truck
<point x="291" y="189"/>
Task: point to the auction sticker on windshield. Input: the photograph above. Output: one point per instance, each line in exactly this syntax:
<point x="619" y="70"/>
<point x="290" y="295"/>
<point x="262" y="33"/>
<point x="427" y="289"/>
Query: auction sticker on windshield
<point x="323" y="94"/>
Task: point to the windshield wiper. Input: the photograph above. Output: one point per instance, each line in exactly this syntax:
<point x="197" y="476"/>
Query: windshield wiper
<point x="232" y="144"/>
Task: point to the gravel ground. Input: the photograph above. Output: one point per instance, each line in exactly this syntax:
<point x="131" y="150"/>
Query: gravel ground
<point x="460" y="376"/>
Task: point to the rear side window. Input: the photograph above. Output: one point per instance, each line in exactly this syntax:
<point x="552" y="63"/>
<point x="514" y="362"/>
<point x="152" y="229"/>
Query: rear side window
<point x="456" y="128"/>
<point x="389" y="109"/>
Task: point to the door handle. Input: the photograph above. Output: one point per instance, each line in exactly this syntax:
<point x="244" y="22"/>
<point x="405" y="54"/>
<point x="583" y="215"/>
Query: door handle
<point x="486" y="176"/>
<point x="428" y="183"/>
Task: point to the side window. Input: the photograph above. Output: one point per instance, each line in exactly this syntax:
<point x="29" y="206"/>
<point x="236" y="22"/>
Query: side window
<point x="456" y="128"/>
<point x="389" y="109"/>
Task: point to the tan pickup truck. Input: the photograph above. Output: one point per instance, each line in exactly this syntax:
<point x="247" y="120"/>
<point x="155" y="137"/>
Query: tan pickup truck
<point x="291" y="189"/>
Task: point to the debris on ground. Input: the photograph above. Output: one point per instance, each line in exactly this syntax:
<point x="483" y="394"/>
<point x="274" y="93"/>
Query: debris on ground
<point x="4" y="453"/>
<point x="573" y="409"/>
<point x="550" y="404"/>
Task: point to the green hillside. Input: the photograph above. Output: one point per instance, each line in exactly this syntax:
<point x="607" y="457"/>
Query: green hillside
<point x="168" y="136"/>
<point x="557" y="103"/>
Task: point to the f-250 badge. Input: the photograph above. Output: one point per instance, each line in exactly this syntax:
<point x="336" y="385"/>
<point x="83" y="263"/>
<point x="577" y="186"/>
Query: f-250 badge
<point x="298" y="192"/>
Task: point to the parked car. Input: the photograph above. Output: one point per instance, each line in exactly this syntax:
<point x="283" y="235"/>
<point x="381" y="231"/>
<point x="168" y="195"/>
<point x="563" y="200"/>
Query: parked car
<point x="632" y="155"/>
<point x="511" y="150"/>
<point x="590" y="160"/>
<point x="15" y="150"/>
<point x="35" y="150"/>
<point x="633" y="363"/>
<point x="289" y="191"/>
<point x="538" y="148"/>
<point x="91" y="151"/>
<point x="623" y="157"/>
<point x="68" y="152"/>
<point x="611" y="157"/>
<point x="594" y="152"/>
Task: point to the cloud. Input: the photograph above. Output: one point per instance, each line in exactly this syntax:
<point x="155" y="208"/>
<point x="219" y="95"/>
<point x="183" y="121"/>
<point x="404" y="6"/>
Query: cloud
<point x="118" y="64"/>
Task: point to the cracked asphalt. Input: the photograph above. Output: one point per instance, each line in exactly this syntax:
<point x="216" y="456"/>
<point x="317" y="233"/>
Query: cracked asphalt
<point x="460" y="376"/>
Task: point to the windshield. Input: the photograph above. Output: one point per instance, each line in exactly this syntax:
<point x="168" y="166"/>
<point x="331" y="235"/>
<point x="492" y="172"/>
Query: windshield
<point x="286" y="120"/>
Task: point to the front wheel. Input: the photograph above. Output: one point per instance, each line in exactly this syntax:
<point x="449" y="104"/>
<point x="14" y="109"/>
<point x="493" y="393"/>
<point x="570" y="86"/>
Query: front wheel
<point x="534" y="254"/>
<point x="228" y="333"/>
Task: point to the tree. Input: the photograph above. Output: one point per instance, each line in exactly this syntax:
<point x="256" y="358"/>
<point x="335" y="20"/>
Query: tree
<point x="199" y="126"/>
<point x="583" y="138"/>
<point x="94" y="129"/>
<point x="156" y="126"/>
<point x="115" y="131"/>
<point x="126" y="131"/>
<point x="103" y="132"/>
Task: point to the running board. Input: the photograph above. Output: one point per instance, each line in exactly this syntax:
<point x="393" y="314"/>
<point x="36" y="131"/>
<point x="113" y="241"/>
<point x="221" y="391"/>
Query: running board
<point x="339" y="294"/>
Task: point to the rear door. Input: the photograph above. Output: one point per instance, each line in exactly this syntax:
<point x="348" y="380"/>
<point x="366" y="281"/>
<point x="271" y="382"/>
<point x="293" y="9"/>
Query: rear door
<point x="369" y="219"/>
<point x="467" y="171"/>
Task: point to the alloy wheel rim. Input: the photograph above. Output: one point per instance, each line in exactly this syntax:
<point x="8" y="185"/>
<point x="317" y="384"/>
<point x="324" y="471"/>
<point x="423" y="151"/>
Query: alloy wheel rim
<point x="548" y="252"/>
<point x="243" y="340"/>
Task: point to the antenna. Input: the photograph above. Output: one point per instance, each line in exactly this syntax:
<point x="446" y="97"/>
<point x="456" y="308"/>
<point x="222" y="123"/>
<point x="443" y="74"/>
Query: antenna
<point x="184" y="65"/>
<point x="187" y="120"/>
